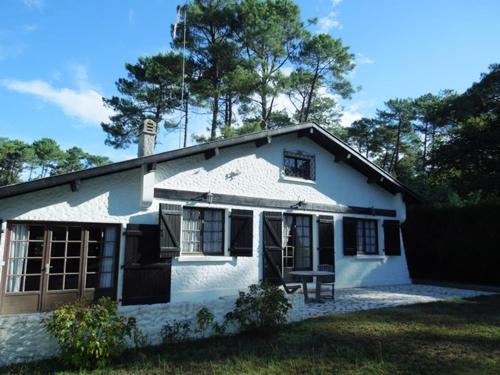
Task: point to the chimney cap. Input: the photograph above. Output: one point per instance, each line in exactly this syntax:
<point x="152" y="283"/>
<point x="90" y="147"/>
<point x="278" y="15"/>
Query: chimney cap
<point x="149" y="126"/>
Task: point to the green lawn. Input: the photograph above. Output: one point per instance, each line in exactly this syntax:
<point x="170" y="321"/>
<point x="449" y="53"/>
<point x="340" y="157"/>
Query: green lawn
<point x="456" y="337"/>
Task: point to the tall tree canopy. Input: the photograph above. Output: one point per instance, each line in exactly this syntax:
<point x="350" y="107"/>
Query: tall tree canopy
<point x="151" y="90"/>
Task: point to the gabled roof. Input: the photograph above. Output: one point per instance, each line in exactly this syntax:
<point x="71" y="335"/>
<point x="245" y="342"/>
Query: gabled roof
<point x="341" y="151"/>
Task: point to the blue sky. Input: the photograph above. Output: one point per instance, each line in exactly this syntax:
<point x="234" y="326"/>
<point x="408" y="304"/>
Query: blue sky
<point x="57" y="58"/>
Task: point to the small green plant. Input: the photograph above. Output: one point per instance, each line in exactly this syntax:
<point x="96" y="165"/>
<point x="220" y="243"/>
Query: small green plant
<point x="262" y="308"/>
<point x="91" y="335"/>
<point x="176" y="331"/>
<point x="204" y="318"/>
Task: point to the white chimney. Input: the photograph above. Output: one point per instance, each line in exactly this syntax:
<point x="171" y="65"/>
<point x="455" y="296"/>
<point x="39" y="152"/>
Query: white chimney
<point x="147" y="138"/>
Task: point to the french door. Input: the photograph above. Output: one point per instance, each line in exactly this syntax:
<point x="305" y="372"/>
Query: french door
<point x="297" y="247"/>
<point x="52" y="264"/>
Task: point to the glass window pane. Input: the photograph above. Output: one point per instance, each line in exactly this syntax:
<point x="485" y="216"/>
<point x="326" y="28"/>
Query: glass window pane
<point x="71" y="282"/>
<point x="75" y="234"/>
<point x="34" y="266"/>
<point x="59" y="234"/>
<point x="94" y="249"/>
<point x="73" y="265"/>
<point x="106" y="280"/>
<point x="109" y="249"/>
<point x="107" y="265"/>
<point x="35" y="249"/>
<point x="36" y="232"/>
<point x="32" y="283"/>
<point x="110" y="233"/>
<point x="57" y="265"/>
<point x="55" y="282"/>
<point x="18" y="249"/>
<point x="16" y="266"/>
<point x="57" y="249"/>
<point x="20" y="232"/>
<point x="74" y="249"/>
<point x="15" y="283"/>
<point x="91" y="280"/>
<point x="95" y="234"/>
<point x="92" y="265"/>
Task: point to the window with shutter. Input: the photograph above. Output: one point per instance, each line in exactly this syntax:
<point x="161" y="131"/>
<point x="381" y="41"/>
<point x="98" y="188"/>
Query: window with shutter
<point x="241" y="243"/>
<point x="202" y="231"/>
<point x="360" y="236"/>
<point x="170" y="230"/>
<point x="392" y="240"/>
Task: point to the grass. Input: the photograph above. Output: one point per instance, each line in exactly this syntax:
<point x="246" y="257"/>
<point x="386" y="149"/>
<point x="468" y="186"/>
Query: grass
<point x="454" y="337"/>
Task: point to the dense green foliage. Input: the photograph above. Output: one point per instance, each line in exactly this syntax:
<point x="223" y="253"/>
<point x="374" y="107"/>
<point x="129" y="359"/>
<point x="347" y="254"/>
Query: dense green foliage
<point x="456" y="244"/>
<point x="90" y="335"/>
<point x="44" y="157"/>
<point x="263" y="308"/>
<point x="446" y="147"/>
<point x="455" y="337"/>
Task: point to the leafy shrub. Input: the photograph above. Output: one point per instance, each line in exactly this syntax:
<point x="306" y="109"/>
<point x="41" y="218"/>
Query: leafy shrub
<point x="176" y="331"/>
<point x="204" y="318"/>
<point x="91" y="335"/>
<point x="262" y="308"/>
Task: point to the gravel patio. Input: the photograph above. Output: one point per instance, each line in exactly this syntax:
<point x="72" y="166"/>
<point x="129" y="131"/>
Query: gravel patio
<point x="357" y="299"/>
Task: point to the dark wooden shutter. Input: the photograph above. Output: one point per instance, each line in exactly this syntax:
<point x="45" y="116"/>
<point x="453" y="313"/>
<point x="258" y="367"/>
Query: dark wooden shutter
<point x="392" y="240"/>
<point x="273" y="247"/>
<point x="146" y="277"/>
<point x="241" y="233"/>
<point x="350" y="238"/>
<point x="326" y="240"/>
<point x="170" y="230"/>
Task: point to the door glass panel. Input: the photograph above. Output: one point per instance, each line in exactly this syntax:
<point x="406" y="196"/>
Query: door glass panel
<point x="55" y="282"/>
<point x="297" y="241"/>
<point x="65" y="254"/>
<point x="71" y="282"/>
<point x="91" y="280"/>
<point x="57" y="249"/>
<point x="32" y="283"/>
<point x="25" y="258"/>
<point x="75" y="234"/>
<point x="59" y="234"/>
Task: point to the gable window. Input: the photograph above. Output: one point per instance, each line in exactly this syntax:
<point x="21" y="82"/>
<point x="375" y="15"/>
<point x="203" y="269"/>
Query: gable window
<point x="298" y="164"/>
<point x="203" y="231"/>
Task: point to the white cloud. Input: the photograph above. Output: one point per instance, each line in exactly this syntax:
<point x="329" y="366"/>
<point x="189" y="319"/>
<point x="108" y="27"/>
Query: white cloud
<point x="329" y="22"/>
<point x="34" y="4"/>
<point x="84" y="104"/>
<point x="362" y="59"/>
<point x="349" y="115"/>
<point x="336" y="2"/>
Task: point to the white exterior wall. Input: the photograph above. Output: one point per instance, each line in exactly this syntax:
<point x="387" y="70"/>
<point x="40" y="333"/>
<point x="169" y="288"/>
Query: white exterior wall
<point x="241" y="170"/>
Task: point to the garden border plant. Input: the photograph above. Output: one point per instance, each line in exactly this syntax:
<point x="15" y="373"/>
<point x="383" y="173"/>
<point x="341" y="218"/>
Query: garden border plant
<point x="92" y="335"/>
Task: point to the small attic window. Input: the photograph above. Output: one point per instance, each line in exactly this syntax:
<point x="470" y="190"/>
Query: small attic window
<point x="298" y="164"/>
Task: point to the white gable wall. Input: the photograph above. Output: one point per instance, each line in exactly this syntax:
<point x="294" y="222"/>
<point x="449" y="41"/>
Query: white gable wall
<point x="241" y="170"/>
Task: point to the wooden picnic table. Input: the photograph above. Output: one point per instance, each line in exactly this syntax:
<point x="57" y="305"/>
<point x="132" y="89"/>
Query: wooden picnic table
<point x="304" y="275"/>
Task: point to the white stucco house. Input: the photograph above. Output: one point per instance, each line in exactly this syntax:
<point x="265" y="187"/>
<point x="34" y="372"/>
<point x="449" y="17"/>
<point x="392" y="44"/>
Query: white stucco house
<point x="201" y="222"/>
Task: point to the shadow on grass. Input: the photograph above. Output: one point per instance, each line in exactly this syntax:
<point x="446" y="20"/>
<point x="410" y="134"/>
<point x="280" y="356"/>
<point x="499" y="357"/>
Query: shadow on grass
<point x="454" y="337"/>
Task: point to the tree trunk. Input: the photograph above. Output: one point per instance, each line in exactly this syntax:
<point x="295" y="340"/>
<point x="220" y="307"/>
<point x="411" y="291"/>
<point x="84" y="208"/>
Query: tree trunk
<point x="263" y="111"/>
<point x="215" y="114"/>
<point x="311" y="92"/>
<point x="395" y="160"/>
<point x="424" y="156"/>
